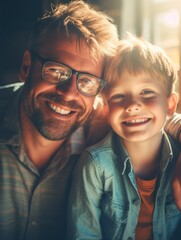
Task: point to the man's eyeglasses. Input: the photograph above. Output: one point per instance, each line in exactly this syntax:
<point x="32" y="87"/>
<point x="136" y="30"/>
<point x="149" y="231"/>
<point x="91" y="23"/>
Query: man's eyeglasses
<point x="57" y="73"/>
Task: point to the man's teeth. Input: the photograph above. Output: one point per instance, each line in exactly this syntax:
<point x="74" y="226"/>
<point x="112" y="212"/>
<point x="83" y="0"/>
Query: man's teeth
<point x="59" y="110"/>
<point x="137" y="120"/>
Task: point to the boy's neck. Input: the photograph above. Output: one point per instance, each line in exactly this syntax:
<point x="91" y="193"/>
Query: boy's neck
<point x="145" y="156"/>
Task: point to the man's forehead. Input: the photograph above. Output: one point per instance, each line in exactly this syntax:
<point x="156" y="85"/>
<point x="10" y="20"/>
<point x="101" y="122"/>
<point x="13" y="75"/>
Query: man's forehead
<point x="72" y="42"/>
<point x="72" y="51"/>
<point x="58" y="39"/>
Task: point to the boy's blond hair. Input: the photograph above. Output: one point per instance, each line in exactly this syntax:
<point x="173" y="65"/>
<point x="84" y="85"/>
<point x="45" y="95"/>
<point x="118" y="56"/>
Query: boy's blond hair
<point x="137" y="55"/>
<point x="80" y="18"/>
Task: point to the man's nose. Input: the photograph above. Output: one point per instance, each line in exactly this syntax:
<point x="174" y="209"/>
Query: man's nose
<point x="68" y="90"/>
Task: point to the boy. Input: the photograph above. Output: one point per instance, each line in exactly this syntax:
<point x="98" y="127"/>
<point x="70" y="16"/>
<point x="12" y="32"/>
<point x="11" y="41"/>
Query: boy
<point x="122" y="185"/>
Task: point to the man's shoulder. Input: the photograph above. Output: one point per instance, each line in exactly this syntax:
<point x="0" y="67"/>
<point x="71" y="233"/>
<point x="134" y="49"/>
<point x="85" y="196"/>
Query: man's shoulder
<point x="6" y="94"/>
<point x="7" y="91"/>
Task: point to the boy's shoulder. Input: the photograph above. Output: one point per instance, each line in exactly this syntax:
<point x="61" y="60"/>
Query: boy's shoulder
<point x="104" y="153"/>
<point x="104" y="145"/>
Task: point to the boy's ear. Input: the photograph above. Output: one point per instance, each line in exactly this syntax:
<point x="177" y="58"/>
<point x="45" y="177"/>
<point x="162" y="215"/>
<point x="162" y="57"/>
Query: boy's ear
<point x="172" y="104"/>
<point x="25" y="66"/>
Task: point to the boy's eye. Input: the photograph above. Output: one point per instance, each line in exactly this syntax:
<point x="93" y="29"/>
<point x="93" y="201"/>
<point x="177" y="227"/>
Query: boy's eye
<point x="147" y="92"/>
<point x="117" y="97"/>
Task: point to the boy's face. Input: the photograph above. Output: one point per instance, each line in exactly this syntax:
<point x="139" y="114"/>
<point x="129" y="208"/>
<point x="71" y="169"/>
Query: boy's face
<point x="138" y="106"/>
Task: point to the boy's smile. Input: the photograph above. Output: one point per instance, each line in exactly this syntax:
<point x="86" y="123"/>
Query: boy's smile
<point x="136" y="122"/>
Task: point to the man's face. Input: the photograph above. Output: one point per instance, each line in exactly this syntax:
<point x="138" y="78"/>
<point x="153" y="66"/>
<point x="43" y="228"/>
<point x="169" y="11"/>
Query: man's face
<point x="57" y="110"/>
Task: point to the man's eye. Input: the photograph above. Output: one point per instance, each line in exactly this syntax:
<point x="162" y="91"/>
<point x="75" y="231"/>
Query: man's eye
<point x="58" y="73"/>
<point x="86" y="80"/>
<point x="53" y="70"/>
<point x="54" y="73"/>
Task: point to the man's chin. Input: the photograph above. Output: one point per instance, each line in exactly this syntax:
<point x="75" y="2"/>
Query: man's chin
<point x="57" y="130"/>
<point x="56" y="134"/>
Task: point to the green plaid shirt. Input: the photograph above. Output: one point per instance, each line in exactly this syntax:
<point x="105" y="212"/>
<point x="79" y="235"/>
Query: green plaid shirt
<point x="32" y="206"/>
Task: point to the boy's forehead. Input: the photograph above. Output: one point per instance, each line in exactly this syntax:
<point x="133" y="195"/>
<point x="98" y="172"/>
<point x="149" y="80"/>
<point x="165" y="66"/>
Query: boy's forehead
<point x="141" y="78"/>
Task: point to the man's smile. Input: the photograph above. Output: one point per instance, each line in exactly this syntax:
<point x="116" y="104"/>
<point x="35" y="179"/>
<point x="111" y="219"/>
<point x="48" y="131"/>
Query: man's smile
<point x="58" y="109"/>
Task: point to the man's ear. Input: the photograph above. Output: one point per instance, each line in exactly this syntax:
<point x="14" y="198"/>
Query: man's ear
<point x="172" y="104"/>
<point x="25" y="67"/>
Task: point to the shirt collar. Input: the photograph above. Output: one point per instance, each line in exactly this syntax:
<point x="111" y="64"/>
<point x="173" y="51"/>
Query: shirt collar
<point x="166" y="154"/>
<point x="123" y="158"/>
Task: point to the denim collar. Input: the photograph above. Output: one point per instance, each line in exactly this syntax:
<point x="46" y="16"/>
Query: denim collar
<point x="125" y="163"/>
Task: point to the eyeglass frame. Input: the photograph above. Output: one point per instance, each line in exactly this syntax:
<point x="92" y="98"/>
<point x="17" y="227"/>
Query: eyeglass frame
<point x="72" y="71"/>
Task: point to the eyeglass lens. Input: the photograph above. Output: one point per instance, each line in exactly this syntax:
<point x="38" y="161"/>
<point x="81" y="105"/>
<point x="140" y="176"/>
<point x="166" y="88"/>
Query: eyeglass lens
<point x="56" y="73"/>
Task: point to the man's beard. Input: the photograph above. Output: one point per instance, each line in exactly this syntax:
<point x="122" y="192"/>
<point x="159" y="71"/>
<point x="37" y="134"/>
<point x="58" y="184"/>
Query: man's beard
<point x="51" y="130"/>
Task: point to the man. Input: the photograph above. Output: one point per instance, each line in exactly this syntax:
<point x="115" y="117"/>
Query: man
<point x="62" y="71"/>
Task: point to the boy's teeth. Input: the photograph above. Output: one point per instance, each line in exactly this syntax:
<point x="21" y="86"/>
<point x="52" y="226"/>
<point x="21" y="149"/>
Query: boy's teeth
<point x="59" y="110"/>
<point x="137" y="120"/>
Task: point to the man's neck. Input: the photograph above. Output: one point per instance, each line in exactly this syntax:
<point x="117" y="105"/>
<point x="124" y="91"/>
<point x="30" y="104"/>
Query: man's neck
<point x="38" y="149"/>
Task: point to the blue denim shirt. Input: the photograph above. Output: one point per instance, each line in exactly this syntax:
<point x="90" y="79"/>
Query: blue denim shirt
<point x="104" y="202"/>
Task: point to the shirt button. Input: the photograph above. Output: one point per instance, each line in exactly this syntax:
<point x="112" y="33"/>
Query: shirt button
<point x="33" y="223"/>
<point x="136" y="202"/>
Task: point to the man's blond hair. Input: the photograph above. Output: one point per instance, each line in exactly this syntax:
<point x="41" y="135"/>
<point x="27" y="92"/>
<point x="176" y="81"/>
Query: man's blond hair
<point x="78" y="17"/>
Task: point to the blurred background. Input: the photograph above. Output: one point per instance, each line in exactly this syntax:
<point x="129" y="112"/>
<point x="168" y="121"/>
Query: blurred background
<point x="159" y="21"/>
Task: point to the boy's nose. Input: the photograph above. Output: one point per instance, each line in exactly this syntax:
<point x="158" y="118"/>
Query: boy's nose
<point x="133" y="106"/>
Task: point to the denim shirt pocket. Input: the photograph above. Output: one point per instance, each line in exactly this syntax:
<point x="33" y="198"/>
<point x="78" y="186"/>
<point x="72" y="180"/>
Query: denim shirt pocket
<point x="171" y="208"/>
<point x="113" y="217"/>
<point x="173" y="217"/>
